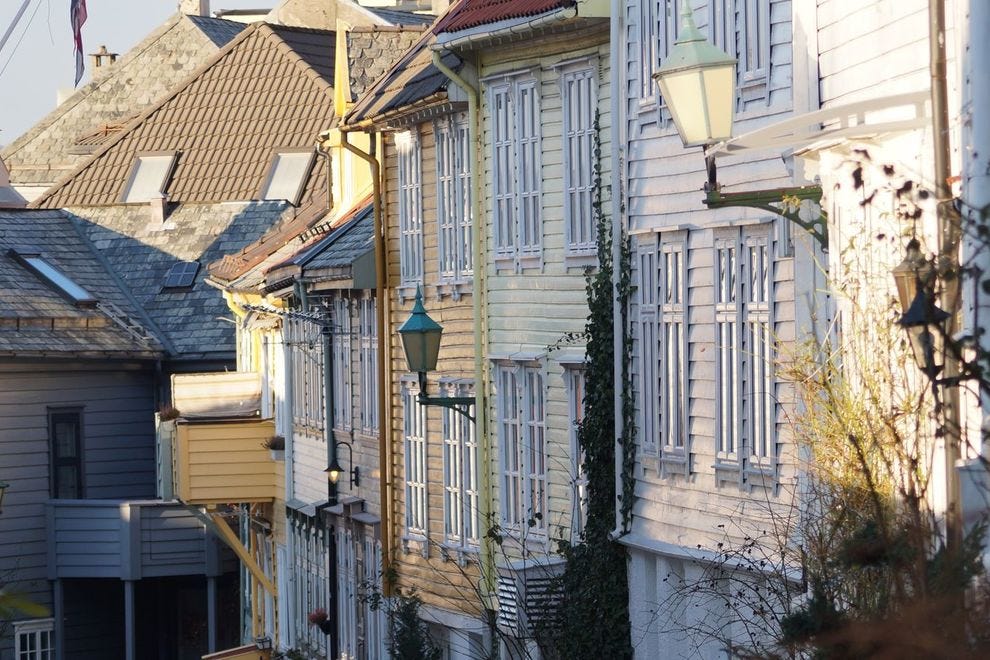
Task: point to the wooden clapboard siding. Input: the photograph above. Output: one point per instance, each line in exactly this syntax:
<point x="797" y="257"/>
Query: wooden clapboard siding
<point x="309" y="460"/>
<point x="441" y="583"/>
<point x="530" y="311"/>
<point x="225" y="462"/>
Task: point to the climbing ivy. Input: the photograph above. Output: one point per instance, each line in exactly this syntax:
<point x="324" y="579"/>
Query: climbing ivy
<point x="593" y="614"/>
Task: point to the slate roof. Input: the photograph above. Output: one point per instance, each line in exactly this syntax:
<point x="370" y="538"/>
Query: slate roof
<point x="412" y="79"/>
<point x="371" y="51"/>
<point x="37" y="321"/>
<point x="158" y="63"/>
<point x="269" y="88"/>
<point x="474" y="13"/>
<point x="141" y="252"/>
<point x="404" y="18"/>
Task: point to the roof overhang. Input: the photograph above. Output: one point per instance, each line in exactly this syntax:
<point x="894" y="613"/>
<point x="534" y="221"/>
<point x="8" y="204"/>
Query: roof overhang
<point x="513" y="29"/>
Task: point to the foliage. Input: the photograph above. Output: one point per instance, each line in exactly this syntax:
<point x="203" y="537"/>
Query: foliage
<point x="409" y="637"/>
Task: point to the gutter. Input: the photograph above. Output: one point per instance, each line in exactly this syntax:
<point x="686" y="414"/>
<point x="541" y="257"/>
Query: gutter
<point x="513" y="29"/>
<point x="478" y="304"/>
<point x="384" y="399"/>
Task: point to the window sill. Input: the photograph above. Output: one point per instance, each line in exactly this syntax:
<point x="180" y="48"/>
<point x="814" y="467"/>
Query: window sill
<point x="674" y="462"/>
<point x="581" y="259"/>
<point x="453" y="288"/>
<point x="464" y="555"/>
<point x="415" y="543"/>
<point x="519" y="263"/>
<point x="407" y="291"/>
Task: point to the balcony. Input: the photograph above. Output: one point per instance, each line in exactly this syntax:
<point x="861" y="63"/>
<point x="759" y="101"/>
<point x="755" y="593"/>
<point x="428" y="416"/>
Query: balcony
<point x="128" y="540"/>
<point x="216" y="444"/>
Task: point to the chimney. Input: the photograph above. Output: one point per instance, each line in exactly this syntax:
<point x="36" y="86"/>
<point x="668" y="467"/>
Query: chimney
<point x="159" y="206"/>
<point x="195" y="7"/>
<point x="102" y="58"/>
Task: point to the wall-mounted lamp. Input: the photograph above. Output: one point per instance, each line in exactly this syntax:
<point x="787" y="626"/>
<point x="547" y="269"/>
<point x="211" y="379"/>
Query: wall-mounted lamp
<point x="421" y="344"/>
<point x="334" y="470"/>
<point x="698" y="83"/>
<point x="923" y="320"/>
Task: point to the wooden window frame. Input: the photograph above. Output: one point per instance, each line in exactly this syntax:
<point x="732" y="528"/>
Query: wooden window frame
<point x="575" y="383"/>
<point x="673" y="363"/>
<point x="410" y="189"/>
<point x="454" y="218"/>
<point x="343" y="381"/>
<point x="34" y="628"/>
<point x="416" y="466"/>
<point x="306" y="360"/>
<point x="748" y="22"/>
<point x="368" y="355"/>
<point x="578" y="152"/>
<point x="461" y="498"/>
<point x="75" y="413"/>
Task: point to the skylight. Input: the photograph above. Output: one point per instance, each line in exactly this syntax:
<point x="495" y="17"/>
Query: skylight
<point x="181" y="275"/>
<point x="55" y="278"/>
<point x="149" y="177"/>
<point x="287" y="176"/>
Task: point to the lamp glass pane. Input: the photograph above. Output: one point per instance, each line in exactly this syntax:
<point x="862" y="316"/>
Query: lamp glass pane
<point x="683" y="94"/>
<point x="719" y="101"/>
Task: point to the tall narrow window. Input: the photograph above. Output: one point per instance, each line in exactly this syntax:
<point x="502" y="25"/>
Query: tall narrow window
<point x="454" y="198"/>
<point x="521" y="422"/>
<point x="648" y="379"/>
<point x="410" y="209"/>
<point x="34" y="640"/>
<point x="414" y="432"/>
<point x="742" y="29"/>
<point x="672" y="367"/>
<point x="745" y="349"/>
<point x="65" y="433"/>
<point x="574" y="380"/>
<point x="369" y="363"/>
<point x="342" y="383"/>
<point x="306" y="350"/>
<point x="659" y="27"/>
<point x="579" y="97"/>
<point x="516" y="153"/>
<point x="460" y="474"/>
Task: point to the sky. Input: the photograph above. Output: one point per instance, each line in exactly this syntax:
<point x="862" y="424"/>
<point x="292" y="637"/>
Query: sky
<point x="37" y="60"/>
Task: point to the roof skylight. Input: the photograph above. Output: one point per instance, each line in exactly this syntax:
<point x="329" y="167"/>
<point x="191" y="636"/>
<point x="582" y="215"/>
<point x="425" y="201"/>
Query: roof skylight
<point x="149" y="176"/>
<point x="181" y="275"/>
<point x="287" y="176"/>
<point x="55" y="278"/>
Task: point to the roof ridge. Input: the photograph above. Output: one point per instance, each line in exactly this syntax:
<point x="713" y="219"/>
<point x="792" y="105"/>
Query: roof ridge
<point x="147" y="112"/>
<point x="288" y="50"/>
<point x="89" y="88"/>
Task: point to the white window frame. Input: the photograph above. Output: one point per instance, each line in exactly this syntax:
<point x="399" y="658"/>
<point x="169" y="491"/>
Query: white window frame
<point x="306" y="350"/>
<point x="672" y="366"/>
<point x="576" y="385"/>
<point x="287" y="175"/>
<point x="39" y="630"/>
<point x="521" y="418"/>
<point x="460" y="473"/>
<point x="454" y="218"/>
<point x="368" y="355"/>
<point x="416" y="466"/>
<point x="659" y="24"/>
<point x="375" y="623"/>
<point x="746" y="411"/>
<point x="347" y="594"/>
<point x="310" y="562"/>
<point x="748" y="23"/>
<point x="648" y="379"/>
<point x="407" y="146"/>
<point x="516" y="170"/>
<point x="579" y="146"/>
<point x="156" y="185"/>
<point x="343" y="385"/>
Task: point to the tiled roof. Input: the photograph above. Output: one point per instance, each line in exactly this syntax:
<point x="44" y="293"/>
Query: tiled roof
<point x="407" y="18"/>
<point x="474" y="13"/>
<point x="371" y="51"/>
<point x="36" y="320"/>
<point x="154" y="66"/>
<point x="268" y="89"/>
<point x="413" y="78"/>
<point x="142" y="252"/>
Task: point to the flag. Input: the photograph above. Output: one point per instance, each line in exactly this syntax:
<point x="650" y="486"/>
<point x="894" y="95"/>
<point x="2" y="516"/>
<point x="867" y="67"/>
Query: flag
<point x="77" y="16"/>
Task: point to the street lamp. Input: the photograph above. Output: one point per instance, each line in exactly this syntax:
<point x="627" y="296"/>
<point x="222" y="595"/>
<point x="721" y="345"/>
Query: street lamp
<point x="698" y="83"/>
<point x="3" y="490"/>
<point x="334" y="470"/>
<point x="923" y="320"/>
<point x="421" y="344"/>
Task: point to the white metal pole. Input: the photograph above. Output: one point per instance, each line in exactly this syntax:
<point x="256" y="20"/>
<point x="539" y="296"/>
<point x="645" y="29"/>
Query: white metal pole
<point x="13" y="24"/>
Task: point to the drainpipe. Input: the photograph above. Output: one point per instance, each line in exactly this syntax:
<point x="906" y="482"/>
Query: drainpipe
<point x="326" y="156"/>
<point x="328" y="393"/>
<point x="617" y="170"/>
<point x="384" y="385"/>
<point x="478" y="297"/>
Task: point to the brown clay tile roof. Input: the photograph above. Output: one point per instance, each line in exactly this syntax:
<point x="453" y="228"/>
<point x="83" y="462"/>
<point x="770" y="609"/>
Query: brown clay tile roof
<point x="474" y="13"/>
<point x="269" y="88"/>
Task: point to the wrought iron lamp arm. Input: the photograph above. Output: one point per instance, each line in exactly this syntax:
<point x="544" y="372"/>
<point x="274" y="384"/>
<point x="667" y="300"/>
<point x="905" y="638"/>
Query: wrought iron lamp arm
<point x="460" y="404"/>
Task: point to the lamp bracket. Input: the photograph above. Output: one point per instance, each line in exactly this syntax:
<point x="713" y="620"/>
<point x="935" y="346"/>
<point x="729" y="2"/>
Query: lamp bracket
<point x="459" y="404"/>
<point x="773" y="200"/>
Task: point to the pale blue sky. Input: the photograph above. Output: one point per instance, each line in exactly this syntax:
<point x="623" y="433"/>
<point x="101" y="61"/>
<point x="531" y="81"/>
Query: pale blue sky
<point x="38" y="60"/>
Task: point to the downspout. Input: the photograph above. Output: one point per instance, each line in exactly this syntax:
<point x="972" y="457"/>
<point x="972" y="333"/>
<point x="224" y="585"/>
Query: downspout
<point x="478" y="304"/>
<point x="618" y="192"/>
<point x="326" y="156"/>
<point x="328" y="394"/>
<point x="384" y="385"/>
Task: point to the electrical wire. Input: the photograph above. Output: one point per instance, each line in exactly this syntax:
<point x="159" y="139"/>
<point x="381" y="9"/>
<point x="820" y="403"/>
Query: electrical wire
<point x="20" y="39"/>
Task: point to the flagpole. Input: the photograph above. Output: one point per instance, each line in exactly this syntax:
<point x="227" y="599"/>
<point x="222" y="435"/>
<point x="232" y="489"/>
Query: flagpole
<point x="13" y="24"/>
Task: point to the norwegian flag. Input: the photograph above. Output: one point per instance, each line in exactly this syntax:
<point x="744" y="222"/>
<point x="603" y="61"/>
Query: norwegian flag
<point x="77" y="16"/>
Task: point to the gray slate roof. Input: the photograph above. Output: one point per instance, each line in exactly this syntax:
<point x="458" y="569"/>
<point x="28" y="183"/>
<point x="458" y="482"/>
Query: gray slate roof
<point x="142" y="252"/>
<point x="343" y="245"/>
<point x="372" y="51"/>
<point x="218" y="30"/>
<point x="36" y="320"/>
<point x="396" y="17"/>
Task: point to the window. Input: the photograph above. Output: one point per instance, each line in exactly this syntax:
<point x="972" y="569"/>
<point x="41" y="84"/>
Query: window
<point x="181" y="275"/>
<point x="347" y="594"/>
<point x="742" y="29"/>
<point x="515" y="111"/>
<point x="369" y="363"/>
<point x="671" y="292"/>
<point x="342" y="383"/>
<point x="579" y="92"/>
<point x="745" y="405"/>
<point x="414" y="432"/>
<point x="306" y="347"/>
<point x="310" y="545"/>
<point x="575" y="382"/>
<point x="287" y="176"/>
<point x="460" y="473"/>
<point x="521" y="416"/>
<point x="65" y="434"/>
<point x="410" y="209"/>
<point x="375" y="624"/>
<point x="149" y="177"/>
<point x="34" y="640"/>
<point x="454" y="197"/>
<point x="659" y="25"/>
<point x="53" y="277"/>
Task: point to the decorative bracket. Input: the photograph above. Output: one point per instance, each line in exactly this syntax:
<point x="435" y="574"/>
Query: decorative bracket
<point x="459" y="404"/>
<point x="785" y="202"/>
